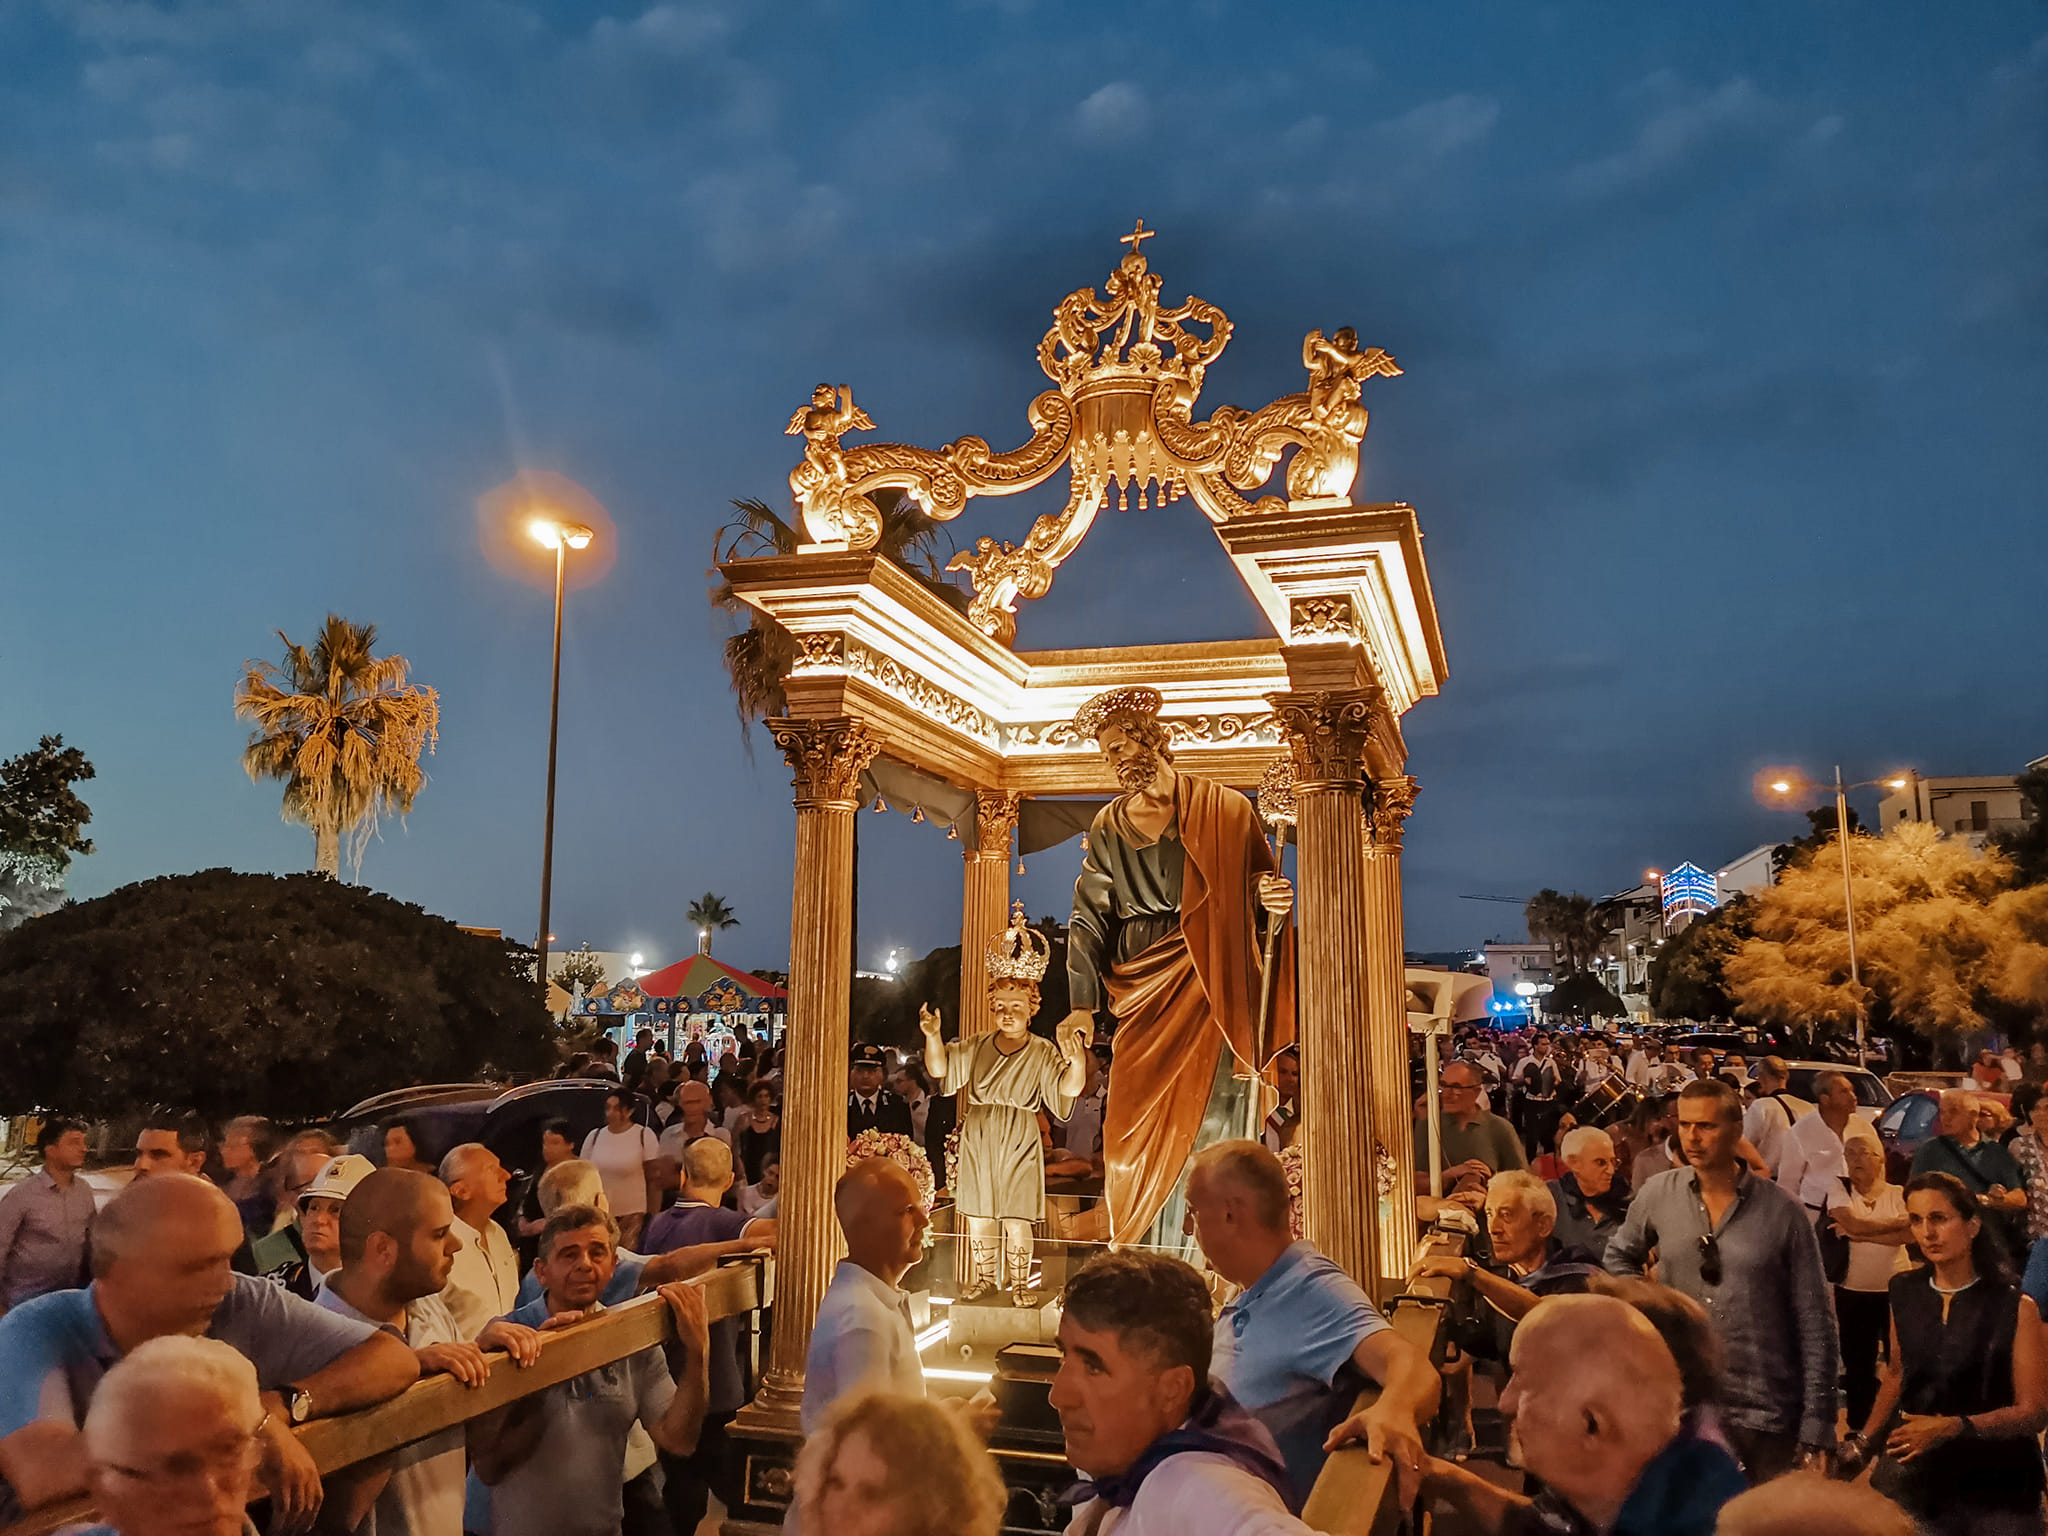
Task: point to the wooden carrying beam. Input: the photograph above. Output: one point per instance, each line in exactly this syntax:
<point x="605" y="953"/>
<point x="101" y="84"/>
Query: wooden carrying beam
<point x="440" y="1402"/>
<point x="1352" y="1496"/>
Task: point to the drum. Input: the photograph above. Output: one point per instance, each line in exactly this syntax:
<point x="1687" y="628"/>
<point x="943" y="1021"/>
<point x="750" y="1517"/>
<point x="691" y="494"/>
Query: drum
<point x="1607" y="1103"/>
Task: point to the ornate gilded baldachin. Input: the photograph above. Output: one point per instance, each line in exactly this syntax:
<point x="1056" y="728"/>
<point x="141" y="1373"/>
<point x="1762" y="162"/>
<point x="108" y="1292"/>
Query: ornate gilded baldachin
<point x="1128" y="371"/>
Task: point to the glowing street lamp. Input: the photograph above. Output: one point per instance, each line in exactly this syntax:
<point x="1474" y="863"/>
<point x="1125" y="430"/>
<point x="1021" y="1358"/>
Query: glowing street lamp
<point x="561" y="537"/>
<point x="1797" y="785"/>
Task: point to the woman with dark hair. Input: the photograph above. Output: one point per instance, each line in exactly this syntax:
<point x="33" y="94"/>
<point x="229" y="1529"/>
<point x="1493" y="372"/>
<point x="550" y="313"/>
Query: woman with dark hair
<point x="759" y="1133"/>
<point x="403" y="1147"/>
<point x="1967" y="1376"/>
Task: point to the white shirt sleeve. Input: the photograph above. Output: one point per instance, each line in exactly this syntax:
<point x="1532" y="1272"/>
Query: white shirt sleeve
<point x="1198" y="1492"/>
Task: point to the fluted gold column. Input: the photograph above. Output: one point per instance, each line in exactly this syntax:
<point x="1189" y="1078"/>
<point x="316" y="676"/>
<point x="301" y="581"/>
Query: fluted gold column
<point x="984" y="903"/>
<point x="1326" y="733"/>
<point x="1386" y="971"/>
<point x="826" y="757"/>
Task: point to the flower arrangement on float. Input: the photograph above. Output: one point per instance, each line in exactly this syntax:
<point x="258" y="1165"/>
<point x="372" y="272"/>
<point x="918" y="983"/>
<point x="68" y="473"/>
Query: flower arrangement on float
<point x="905" y="1154"/>
<point x="1290" y="1163"/>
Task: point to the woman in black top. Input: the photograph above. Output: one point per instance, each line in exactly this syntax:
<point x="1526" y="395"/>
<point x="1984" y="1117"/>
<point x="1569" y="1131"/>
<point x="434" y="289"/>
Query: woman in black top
<point x="759" y="1134"/>
<point x="1968" y="1375"/>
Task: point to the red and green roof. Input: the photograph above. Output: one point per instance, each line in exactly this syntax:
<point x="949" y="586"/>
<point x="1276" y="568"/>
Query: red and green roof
<point x="711" y="986"/>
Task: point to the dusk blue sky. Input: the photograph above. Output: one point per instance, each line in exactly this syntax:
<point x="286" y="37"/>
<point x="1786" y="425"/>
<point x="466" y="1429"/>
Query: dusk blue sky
<point x="1723" y="329"/>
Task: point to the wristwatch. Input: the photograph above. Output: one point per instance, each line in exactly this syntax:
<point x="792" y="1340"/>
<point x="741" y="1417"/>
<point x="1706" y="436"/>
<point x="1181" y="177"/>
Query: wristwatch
<point x="298" y="1404"/>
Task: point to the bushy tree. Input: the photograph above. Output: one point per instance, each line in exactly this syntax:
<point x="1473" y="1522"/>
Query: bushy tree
<point x="1687" y="979"/>
<point x="41" y="827"/>
<point x="1582" y="995"/>
<point x="2028" y="847"/>
<point x="580" y="968"/>
<point x="1574" y="926"/>
<point x="293" y="996"/>
<point x="1945" y="940"/>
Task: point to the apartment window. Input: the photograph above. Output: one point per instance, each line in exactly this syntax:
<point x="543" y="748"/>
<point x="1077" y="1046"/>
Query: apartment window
<point x="1980" y="815"/>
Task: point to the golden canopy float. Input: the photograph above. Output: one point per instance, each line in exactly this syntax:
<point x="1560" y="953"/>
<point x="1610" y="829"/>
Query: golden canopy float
<point x="885" y="671"/>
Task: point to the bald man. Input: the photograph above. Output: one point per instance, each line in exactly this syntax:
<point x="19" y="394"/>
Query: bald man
<point x="1595" y="1404"/>
<point x="862" y="1339"/>
<point x="161" y="1253"/>
<point x="483" y="1283"/>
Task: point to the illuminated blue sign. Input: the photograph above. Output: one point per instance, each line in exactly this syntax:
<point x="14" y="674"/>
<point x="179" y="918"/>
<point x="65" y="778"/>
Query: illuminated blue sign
<point x="1688" y="891"/>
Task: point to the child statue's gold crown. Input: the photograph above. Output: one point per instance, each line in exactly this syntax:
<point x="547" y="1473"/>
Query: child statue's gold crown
<point x="1019" y="952"/>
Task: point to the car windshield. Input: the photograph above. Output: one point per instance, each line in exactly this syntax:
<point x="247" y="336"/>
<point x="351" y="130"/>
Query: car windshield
<point x="1869" y="1092"/>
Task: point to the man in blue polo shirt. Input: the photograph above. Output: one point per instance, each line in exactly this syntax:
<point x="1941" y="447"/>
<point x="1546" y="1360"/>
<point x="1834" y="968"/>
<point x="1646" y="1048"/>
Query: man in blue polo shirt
<point x="1302" y="1339"/>
<point x="161" y="1255"/>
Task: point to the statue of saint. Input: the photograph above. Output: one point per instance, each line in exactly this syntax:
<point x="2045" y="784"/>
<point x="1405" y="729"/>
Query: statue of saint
<point x="999" y="1185"/>
<point x="1169" y="915"/>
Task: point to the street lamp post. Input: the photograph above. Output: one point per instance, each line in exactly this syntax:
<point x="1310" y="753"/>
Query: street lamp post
<point x="1896" y="781"/>
<point x="561" y="538"/>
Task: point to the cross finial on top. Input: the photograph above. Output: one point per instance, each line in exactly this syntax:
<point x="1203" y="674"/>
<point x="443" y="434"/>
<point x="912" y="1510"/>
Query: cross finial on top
<point x="1136" y="238"/>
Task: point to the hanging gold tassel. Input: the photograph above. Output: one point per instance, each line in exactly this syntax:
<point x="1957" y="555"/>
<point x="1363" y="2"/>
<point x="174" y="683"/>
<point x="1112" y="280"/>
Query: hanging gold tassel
<point x="879" y="805"/>
<point x="918" y="814"/>
<point x="952" y="834"/>
<point x="1020" y="866"/>
<point x="1084" y="842"/>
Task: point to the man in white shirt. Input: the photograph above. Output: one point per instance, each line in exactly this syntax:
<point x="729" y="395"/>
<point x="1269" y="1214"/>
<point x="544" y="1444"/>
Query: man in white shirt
<point x="398" y="1243"/>
<point x="861" y="1339"/>
<point x="484" y="1281"/>
<point x="1163" y="1449"/>
<point x="1766" y="1122"/>
<point x="1812" y="1164"/>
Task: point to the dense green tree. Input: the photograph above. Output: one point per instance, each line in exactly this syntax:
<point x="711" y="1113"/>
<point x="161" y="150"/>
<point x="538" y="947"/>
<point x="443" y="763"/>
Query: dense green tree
<point x="1821" y="822"/>
<point x="292" y="996"/>
<point x="2028" y="847"/>
<point x="580" y="968"/>
<point x="1582" y="995"/>
<point x="1685" y="980"/>
<point x="41" y="827"/>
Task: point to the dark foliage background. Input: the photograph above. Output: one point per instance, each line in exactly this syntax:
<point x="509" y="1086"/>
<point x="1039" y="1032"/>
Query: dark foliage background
<point x="293" y="996"/>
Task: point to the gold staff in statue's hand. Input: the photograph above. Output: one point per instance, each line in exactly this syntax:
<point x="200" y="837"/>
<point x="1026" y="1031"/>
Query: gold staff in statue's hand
<point x="1276" y="808"/>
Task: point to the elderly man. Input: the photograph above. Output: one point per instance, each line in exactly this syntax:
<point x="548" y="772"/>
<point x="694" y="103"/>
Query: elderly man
<point x="862" y="1339"/>
<point x="398" y="1244"/>
<point x="1472" y="1140"/>
<point x="484" y="1281"/>
<point x="1982" y="1164"/>
<point x="1811" y="1164"/>
<point x="1768" y="1120"/>
<point x="174" y="1407"/>
<point x="1743" y="1249"/>
<point x="554" y="1467"/>
<point x="1529" y="1262"/>
<point x="575" y="1182"/>
<point x="692" y="1123"/>
<point x="1595" y="1404"/>
<point x="1163" y="1449"/>
<point x="161" y="1252"/>
<point x="1591" y="1199"/>
<point x="1301" y="1339"/>
<point x="45" y="1218"/>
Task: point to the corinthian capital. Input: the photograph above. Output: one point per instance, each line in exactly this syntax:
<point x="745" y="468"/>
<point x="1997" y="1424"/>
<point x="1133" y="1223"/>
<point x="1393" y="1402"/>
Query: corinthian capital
<point x="1326" y="732"/>
<point x="826" y="758"/>
<point x="995" y="818"/>
<point x="1392" y="800"/>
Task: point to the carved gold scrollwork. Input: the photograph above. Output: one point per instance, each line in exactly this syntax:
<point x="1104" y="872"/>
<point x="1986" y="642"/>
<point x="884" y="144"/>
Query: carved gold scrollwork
<point x="1392" y="801"/>
<point x="995" y="818"/>
<point x="1321" y="618"/>
<point x="818" y="651"/>
<point x="1326" y="732"/>
<point x="826" y="759"/>
<point x="1129" y="371"/>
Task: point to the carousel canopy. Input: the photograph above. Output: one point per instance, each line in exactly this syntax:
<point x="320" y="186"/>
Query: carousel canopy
<point x="701" y="984"/>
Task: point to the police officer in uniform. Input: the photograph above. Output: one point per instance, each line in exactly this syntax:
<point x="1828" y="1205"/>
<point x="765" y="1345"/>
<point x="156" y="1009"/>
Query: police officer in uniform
<point x="870" y="1106"/>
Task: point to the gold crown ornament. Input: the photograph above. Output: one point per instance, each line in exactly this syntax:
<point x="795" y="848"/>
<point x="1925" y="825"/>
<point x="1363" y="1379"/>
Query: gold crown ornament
<point x="1019" y="952"/>
<point x="1116" y="704"/>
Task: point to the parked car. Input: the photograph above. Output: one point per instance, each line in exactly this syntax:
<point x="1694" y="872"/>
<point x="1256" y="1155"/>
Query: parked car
<point x="507" y="1120"/>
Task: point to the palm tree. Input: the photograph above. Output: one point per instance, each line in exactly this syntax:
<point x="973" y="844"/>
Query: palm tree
<point x="344" y="730"/>
<point x="759" y="656"/>
<point x="1574" y="926"/>
<point x="709" y="912"/>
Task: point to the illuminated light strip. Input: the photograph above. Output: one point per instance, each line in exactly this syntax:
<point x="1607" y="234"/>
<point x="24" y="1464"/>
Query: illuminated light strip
<point x="931" y="1336"/>
<point x="942" y="1373"/>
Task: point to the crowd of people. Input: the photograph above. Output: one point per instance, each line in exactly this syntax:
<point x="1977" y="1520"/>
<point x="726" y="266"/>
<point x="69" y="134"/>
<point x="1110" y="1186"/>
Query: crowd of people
<point x="1715" y="1313"/>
